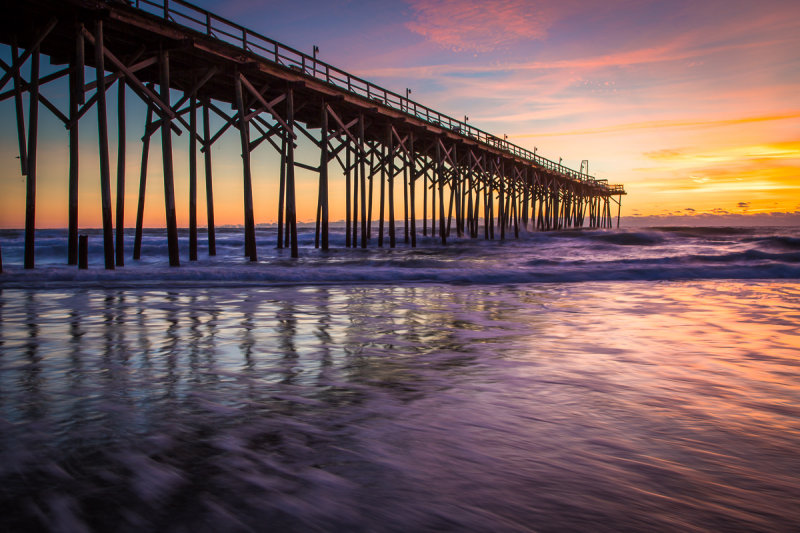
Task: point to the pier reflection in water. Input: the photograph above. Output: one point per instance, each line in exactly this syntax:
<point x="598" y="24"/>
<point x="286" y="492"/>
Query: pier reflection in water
<point x="433" y="407"/>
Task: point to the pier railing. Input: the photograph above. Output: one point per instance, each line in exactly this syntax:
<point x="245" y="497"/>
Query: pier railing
<point x="200" y="20"/>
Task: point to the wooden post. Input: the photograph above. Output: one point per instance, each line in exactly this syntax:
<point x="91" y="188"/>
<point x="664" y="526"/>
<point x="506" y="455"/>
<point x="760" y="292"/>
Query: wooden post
<point x="102" y="126"/>
<point x="23" y="148"/>
<point x="487" y="222"/>
<point x="282" y="191"/>
<point x="440" y="178"/>
<point x="477" y="202"/>
<point x="390" y="161"/>
<point x="434" y="177"/>
<point x="323" y="176"/>
<point x="83" y="252"/>
<point x="356" y="160"/>
<point x="371" y="190"/>
<point x="244" y="134"/>
<point x="619" y="210"/>
<point x="411" y="185"/>
<point x="470" y="216"/>
<point x="452" y="201"/>
<point x="363" y="179"/>
<point x="166" y="155"/>
<point x="291" y="208"/>
<point x="30" y="189"/>
<point x="193" y="178"/>
<point x="515" y="208"/>
<point x="457" y="192"/>
<point x="347" y="193"/>
<point x="212" y="237"/>
<point x="137" y="239"/>
<point x="75" y="94"/>
<point x="425" y="204"/>
<point x="384" y="156"/>
<point x="525" y="199"/>
<point x="501" y="213"/>
<point x="120" y="214"/>
<point x="406" y="238"/>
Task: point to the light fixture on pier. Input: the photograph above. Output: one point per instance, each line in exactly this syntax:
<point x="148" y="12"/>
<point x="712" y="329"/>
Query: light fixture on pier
<point x="316" y="51"/>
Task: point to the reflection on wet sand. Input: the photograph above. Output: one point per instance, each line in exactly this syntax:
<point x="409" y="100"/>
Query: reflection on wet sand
<point x="425" y="408"/>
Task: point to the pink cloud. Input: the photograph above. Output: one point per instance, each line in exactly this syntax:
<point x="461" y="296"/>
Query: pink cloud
<point x="463" y="25"/>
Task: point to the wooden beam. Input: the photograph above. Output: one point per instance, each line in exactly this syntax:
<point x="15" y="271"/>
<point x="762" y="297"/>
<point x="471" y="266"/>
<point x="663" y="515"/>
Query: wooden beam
<point x="19" y="61"/>
<point x="266" y="104"/>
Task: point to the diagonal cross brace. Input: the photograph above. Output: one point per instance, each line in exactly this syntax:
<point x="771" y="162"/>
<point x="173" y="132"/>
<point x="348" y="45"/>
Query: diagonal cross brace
<point x="267" y="105"/>
<point x="24" y="57"/>
<point x="161" y="107"/>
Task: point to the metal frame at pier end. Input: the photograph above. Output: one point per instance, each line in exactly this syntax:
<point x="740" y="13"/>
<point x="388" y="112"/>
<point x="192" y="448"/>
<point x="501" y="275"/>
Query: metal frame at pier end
<point x="160" y="50"/>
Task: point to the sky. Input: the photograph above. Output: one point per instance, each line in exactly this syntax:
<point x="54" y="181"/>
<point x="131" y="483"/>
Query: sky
<point x="693" y="106"/>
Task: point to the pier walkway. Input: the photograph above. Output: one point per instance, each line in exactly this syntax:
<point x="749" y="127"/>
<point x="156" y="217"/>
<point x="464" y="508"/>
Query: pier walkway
<point x="187" y="64"/>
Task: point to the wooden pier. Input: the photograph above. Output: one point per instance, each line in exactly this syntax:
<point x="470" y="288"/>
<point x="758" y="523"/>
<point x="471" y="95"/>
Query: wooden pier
<point x="471" y="183"/>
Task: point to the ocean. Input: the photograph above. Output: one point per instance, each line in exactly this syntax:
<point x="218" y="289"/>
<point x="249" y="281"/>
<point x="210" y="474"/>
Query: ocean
<point x="624" y="380"/>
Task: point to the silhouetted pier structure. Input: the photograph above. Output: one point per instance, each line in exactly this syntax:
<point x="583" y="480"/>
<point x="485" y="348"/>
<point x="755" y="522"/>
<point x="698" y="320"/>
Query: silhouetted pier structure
<point x="274" y="95"/>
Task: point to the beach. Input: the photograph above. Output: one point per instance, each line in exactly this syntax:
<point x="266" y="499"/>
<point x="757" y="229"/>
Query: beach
<point x="639" y="380"/>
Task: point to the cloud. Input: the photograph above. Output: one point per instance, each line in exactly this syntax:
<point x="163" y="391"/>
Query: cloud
<point x="465" y="25"/>
<point x="658" y="124"/>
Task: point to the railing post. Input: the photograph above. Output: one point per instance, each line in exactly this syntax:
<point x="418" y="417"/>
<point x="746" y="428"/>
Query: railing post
<point x="166" y="9"/>
<point x="208" y="23"/>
